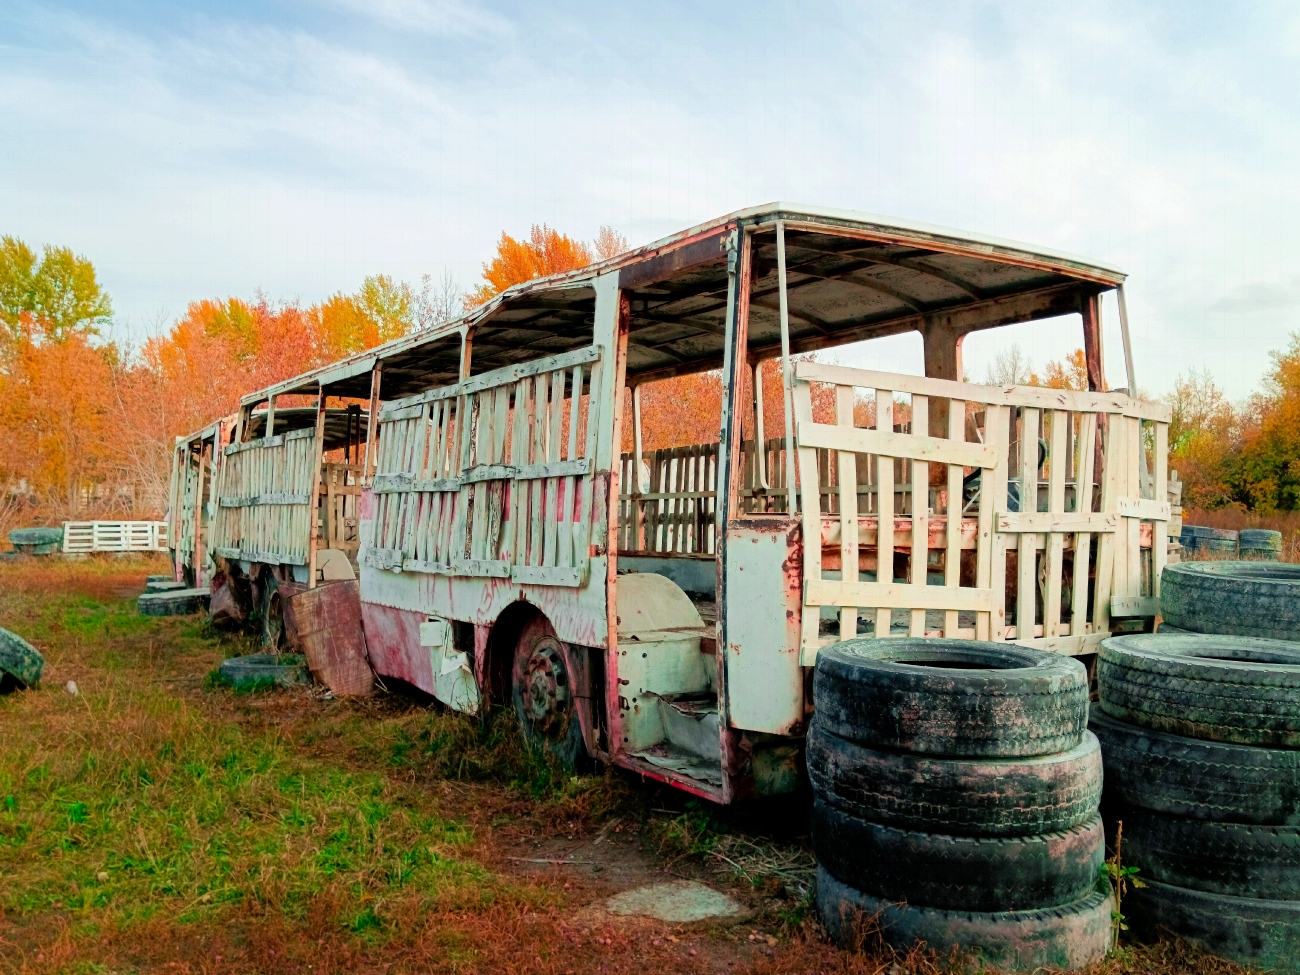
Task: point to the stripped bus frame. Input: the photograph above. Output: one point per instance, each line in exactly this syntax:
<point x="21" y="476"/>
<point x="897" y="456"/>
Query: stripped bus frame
<point x="499" y="510"/>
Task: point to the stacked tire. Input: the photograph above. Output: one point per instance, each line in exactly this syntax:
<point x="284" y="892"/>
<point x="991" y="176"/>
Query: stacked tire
<point x="1201" y="739"/>
<point x="956" y="793"/>
<point x="1232" y="598"/>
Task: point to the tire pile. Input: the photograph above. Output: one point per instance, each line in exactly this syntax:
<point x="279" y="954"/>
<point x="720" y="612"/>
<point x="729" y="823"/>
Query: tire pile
<point x="1201" y="738"/>
<point x="956" y="792"/>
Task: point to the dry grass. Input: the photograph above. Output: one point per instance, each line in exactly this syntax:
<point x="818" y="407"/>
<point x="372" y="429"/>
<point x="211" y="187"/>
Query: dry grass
<point x="1234" y="519"/>
<point x="155" y="822"/>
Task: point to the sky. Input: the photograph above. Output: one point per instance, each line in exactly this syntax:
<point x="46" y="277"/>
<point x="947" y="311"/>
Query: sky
<point x="293" y="147"/>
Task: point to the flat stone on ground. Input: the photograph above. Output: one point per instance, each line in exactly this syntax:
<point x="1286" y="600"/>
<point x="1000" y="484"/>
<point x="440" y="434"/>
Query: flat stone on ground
<point x="678" y="902"/>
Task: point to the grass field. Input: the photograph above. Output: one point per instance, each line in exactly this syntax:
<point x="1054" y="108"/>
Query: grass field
<point x="158" y="821"/>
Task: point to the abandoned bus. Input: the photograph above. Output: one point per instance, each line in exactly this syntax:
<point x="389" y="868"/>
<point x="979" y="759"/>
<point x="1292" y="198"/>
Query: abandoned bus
<point x="660" y="608"/>
<point x="243" y="493"/>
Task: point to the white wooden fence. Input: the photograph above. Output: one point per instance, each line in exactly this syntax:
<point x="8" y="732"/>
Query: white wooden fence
<point x="1042" y="561"/>
<point x="492" y="477"/>
<point x="114" y="536"/>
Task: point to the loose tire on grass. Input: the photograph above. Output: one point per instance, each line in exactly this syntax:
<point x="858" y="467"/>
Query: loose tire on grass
<point x="1224" y="858"/>
<point x="21" y="663"/>
<point x="256" y="669"/>
<point x="961" y="796"/>
<point x="1240" y="690"/>
<point x="1196" y="779"/>
<point x="181" y="602"/>
<point x="1073" y="936"/>
<point x="961" y="698"/>
<point x="1245" y="929"/>
<point x="165" y="585"/>
<point x="1233" y="598"/>
<point x="958" y="873"/>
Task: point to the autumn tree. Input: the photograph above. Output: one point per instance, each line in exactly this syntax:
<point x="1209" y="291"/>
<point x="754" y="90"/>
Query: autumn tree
<point x="54" y="297"/>
<point x="543" y="253"/>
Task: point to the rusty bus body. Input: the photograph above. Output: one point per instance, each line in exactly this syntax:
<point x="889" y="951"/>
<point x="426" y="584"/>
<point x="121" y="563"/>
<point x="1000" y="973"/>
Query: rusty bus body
<point x="260" y="497"/>
<point x="662" y="610"/>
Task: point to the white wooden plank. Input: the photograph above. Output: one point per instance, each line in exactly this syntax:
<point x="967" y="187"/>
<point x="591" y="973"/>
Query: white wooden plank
<point x="1040" y="522"/>
<point x="1026" y="561"/>
<point x="904" y="446"/>
<point x="549" y="575"/>
<point x="1134" y="606"/>
<point x="1159" y="536"/>
<point x="1054" y="558"/>
<point x="991" y="556"/>
<point x="887" y="596"/>
<point x="1145" y="508"/>
<point x="1036" y="396"/>
<point x="848" y="503"/>
<point x="920" y="558"/>
<point x="956" y="502"/>
<point x="1083" y="494"/>
<point x="885" y="506"/>
<point x="1067" y="646"/>
<point x="810" y="513"/>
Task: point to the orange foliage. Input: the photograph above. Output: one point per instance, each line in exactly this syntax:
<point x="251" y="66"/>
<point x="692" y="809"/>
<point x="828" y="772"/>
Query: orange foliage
<point x="544" y="253"/>
<point x="59" y="414"/>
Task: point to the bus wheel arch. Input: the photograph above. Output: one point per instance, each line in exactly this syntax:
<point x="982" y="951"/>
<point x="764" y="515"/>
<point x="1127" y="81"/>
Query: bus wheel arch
<point x="551" y="685"/>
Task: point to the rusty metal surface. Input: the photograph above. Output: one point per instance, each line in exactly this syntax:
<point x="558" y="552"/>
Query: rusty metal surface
<point x="762" y="606"/>
<point x="393" y="639"/>
<point x="325" y="624"/>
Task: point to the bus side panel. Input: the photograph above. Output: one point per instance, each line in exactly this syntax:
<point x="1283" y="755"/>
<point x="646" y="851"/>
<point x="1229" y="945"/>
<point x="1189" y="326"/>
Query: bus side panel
<point x="393" y="604"/>
<point x="393" y="642"/>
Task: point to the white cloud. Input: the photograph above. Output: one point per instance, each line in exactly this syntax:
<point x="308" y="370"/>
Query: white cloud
<point x="194" y="157"/>
<point x="439" y="17"/>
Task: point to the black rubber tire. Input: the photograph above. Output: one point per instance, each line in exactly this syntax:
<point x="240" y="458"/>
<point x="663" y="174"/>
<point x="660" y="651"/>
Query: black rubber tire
<point x="1196" y="779"/>
<point x="1243" y="929"/>
<point x="958" y="873"/>
<point x="1220" y="858"/>
<point x="166" y="585"/>
<point x="21" y="662"/>
<point x="281" y="669"/>
<point x="1073" y="936"/>
<point x="271" y="626"/>
<point x="562" y="738"/>
<point x="1241" y="690"/>
<point x="991" y="700"/>
<point x="181" y="602"/>
<point x="1235" y="598"/>
<point x="959" y="796"/>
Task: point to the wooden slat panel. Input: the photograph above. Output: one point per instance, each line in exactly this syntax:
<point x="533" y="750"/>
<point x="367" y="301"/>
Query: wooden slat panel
<point x="1035" y="396"/>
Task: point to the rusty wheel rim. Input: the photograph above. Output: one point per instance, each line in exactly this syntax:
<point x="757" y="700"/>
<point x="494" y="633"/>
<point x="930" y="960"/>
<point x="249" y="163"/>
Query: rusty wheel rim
<point x="546" y="688"/>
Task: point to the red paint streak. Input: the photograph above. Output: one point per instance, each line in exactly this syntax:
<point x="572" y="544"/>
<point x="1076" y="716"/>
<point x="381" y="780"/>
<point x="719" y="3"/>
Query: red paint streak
<point x="393" y="639"/>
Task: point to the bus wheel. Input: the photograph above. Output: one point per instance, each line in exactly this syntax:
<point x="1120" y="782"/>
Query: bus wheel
<point x="542" y="691"/>
<point x="274" y="638"/>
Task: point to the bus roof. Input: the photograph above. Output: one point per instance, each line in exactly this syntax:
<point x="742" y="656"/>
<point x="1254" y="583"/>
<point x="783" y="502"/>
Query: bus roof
<point x="850" y="276"/>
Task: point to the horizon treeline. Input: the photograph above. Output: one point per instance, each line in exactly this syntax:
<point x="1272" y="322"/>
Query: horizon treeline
<point x="88" y="423"/>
